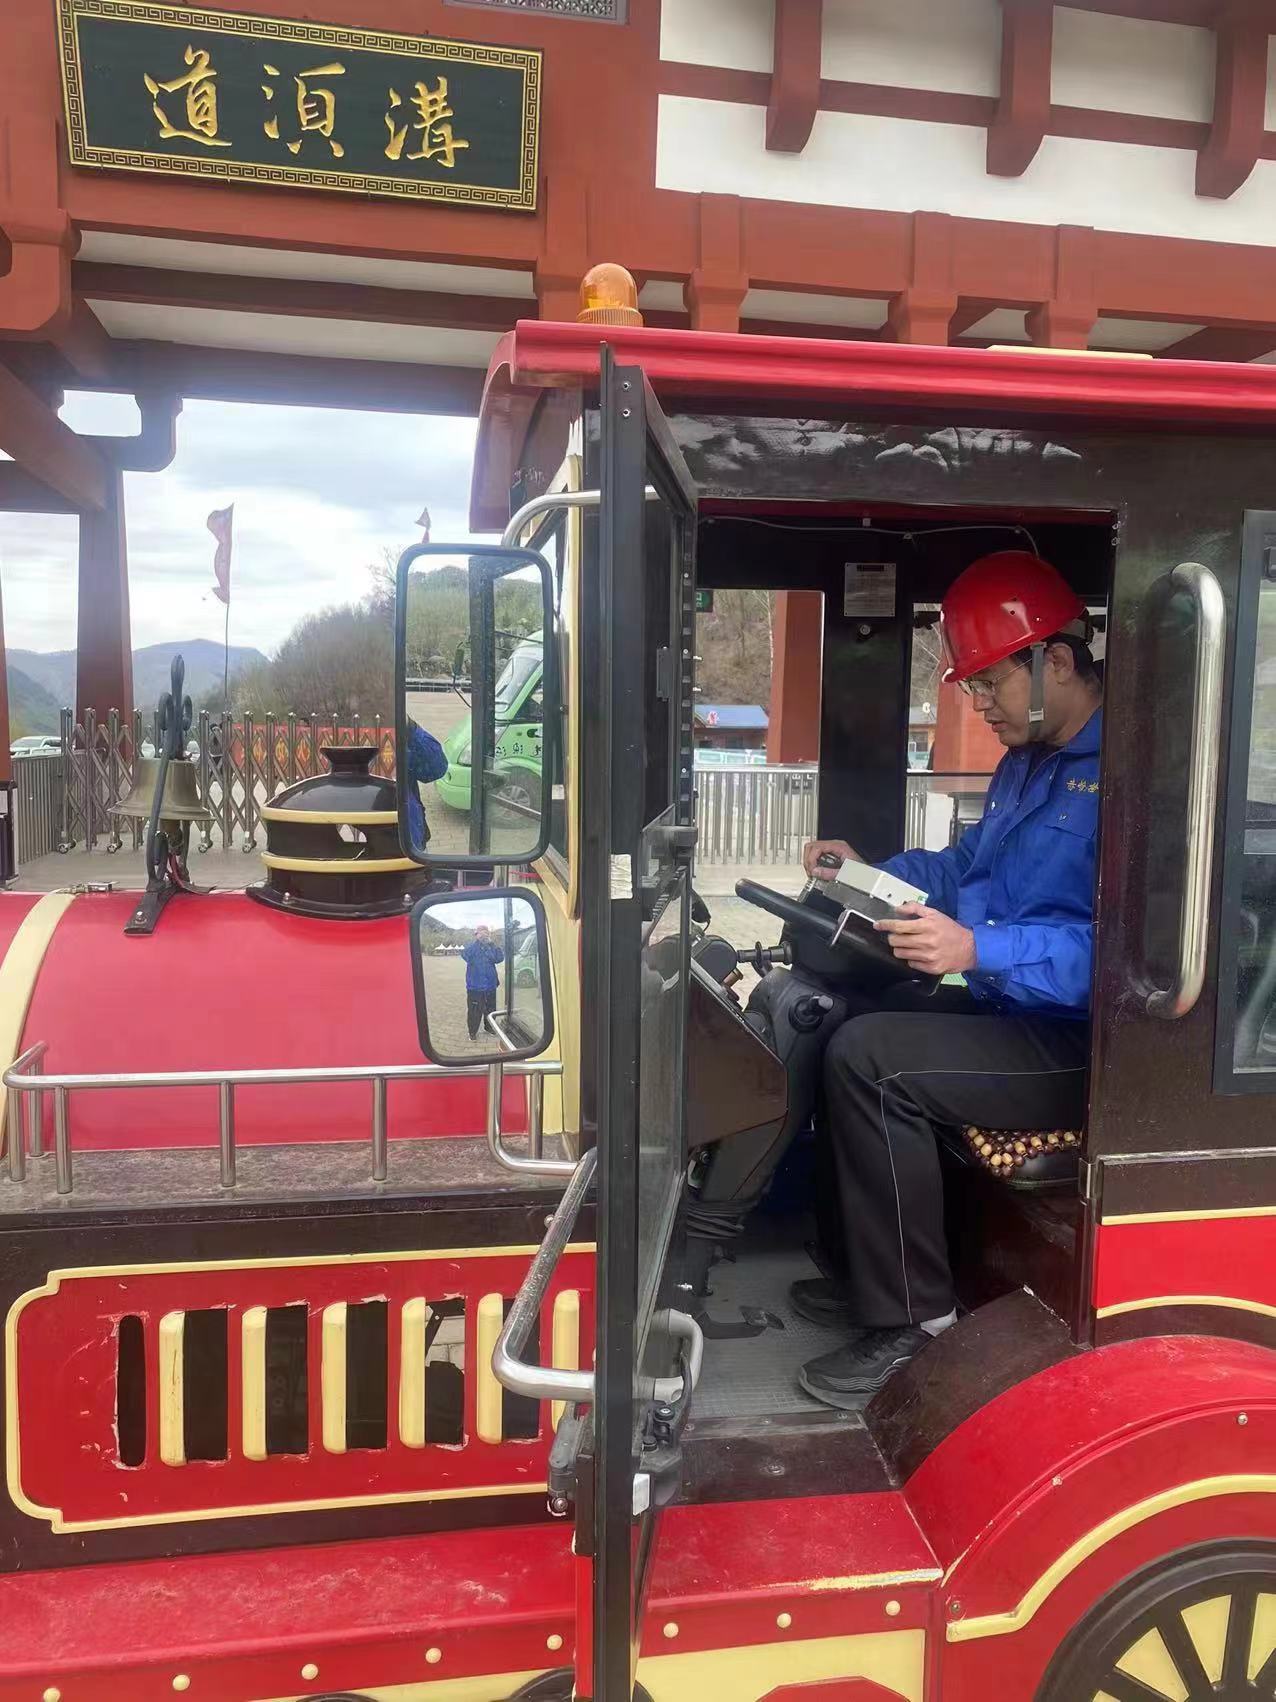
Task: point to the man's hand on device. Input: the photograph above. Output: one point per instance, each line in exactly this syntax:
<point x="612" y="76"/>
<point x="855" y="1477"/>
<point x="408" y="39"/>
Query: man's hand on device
<point x="928" y="940"/>
<point x="814" y="849"/>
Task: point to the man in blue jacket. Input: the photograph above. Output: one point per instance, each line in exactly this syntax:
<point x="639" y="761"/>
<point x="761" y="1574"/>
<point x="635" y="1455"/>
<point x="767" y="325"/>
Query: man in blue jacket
<point x="481" y="958"/>
<point x="1010" y="909"/>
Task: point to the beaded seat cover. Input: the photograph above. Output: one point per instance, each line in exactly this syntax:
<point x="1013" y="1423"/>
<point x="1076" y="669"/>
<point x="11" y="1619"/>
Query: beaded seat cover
<point x="1006" y="1151"/>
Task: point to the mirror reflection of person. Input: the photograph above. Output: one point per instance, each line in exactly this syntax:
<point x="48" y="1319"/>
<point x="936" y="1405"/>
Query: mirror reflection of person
<point x="425" y="761"/>
<point x="481" y="958"/>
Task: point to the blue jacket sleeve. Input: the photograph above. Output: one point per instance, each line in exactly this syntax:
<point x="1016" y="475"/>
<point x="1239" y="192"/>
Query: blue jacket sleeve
<point x="1037" y="963"/>
<point x="938" y="873"/>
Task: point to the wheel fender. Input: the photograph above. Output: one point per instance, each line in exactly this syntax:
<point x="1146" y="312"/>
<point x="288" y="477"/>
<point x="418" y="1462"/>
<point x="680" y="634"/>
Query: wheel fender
<point x="1053" y="1492"/>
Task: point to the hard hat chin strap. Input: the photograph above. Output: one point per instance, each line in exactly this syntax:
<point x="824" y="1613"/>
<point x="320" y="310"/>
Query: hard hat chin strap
<point x="1037" y="700"/>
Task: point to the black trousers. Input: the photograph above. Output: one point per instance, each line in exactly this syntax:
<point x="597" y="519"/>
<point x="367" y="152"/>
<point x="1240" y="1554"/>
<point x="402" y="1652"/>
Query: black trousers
<point x="478" y="1006"/>
<point x="891" y="1076"/>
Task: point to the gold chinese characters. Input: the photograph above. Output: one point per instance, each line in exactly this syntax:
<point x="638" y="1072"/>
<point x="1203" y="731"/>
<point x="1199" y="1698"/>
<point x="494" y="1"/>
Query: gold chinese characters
<point x="199" y="86"/>
<point x="316" y="109"/>
<point x="433" y="114"/>
<point x="420" y="125"/>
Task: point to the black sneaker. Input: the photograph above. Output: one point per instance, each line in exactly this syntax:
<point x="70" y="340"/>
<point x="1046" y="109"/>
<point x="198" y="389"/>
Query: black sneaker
<point x="848" y="1377"/>
<point x="822" y="1300"/>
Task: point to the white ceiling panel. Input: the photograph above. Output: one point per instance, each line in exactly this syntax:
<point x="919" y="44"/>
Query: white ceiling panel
<point x="277" y="333"/>
<point x="169" y="254"/>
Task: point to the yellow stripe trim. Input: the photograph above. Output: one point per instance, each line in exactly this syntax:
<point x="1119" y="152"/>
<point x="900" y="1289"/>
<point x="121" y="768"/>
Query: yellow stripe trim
<point x="252" y="1360"/>
<point x="565" y="1340"/>
<point x="489" y="1417"/>
<point x="1152" y="1301"/>
<point x="1203" y="1489"/>
<point x="412" y="1322"/>
<point x="333" y="1378"/>
<point x="1189" y="1216"/>
<point x="172" y="1389"/>
<point x="21" y="970"/>
<point x="339" y="865"/>
<point x="332" y="818"/>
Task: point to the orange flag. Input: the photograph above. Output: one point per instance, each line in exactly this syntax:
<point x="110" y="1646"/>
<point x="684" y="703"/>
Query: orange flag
<point x="219" y="524"/>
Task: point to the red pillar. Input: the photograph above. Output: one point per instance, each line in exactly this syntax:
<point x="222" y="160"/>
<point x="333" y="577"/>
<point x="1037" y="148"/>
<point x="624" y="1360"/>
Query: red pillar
<point x="964" y="742"/>
<point x="104" y="650"/>
<point x="797" y="639"/>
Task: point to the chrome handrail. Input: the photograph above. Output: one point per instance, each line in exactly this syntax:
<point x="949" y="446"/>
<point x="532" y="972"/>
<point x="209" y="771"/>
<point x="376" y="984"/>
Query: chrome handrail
<point x="544" y="1382"/>
<point x="24" y="1078"/>
<point x="1202" y="792"/>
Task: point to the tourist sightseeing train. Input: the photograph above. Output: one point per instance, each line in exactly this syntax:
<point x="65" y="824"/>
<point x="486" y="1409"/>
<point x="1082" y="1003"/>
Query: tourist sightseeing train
<point x="377" y="1334"/>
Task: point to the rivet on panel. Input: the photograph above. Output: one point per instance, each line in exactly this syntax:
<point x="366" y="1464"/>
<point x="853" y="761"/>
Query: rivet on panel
<point x="433" y="1657"/>
<point x="53" y="1694"/>
<point x="1242" y="1418"/>
<point x="892" y="1610"/>
<point x="553" y="1643"/>
<point x="784" y="1620"/>
<point x="671" y="1630"/>
<point x="310" y="1670"/>
<point x="181" y="1682"/>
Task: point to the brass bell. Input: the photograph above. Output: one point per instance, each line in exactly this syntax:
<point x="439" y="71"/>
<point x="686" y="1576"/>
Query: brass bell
<point x="182" y="801"/>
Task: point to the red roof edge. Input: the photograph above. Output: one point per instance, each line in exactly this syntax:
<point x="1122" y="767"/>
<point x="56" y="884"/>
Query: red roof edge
<point x="541" y="354"/>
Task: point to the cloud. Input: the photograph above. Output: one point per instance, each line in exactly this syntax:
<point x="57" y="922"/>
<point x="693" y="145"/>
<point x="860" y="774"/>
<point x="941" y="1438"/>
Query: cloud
<point x="318" y="494"/>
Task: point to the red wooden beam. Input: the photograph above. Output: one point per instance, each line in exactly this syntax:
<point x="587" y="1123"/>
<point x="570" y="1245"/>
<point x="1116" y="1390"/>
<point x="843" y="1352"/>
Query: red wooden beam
<point x="1240" y="101"/>
<point x="1023" y="109"/>
<point x="795" y="75"/>
<point x="37" y="439"/>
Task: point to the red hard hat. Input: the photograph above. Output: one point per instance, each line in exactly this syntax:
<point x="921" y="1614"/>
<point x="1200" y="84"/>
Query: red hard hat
<point x="1003" y="603"/>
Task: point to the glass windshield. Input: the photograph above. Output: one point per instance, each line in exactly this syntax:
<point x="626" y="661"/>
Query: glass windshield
<point x="522" y="665"/>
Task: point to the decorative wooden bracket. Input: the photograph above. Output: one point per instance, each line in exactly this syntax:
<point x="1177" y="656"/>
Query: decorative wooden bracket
<point x="1240" y="101"/>
<point x="795" y="75"/>
<point x="923" y="311"/>
<point x="1023" y="107"/>
<point x="715" y="291"/>
<point x="32" y="433"/>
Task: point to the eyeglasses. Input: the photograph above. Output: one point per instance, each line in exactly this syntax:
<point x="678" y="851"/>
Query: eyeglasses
<point x="983" y="685"/>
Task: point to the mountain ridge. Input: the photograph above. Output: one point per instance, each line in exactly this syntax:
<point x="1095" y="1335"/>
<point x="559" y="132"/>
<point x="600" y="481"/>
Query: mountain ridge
<point x="53" y="671"/>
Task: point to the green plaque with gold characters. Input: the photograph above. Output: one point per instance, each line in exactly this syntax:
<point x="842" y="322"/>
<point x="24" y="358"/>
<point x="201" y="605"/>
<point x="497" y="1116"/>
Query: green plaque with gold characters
<point x="193" y="92"/>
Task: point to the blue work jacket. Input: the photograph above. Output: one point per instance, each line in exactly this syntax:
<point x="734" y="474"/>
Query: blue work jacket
<point x="1022" y="879"/>
<point x="481" y="958"/>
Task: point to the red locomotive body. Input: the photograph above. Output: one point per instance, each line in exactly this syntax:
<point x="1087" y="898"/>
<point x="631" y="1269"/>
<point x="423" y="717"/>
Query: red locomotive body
<point x="304" y="1332"/>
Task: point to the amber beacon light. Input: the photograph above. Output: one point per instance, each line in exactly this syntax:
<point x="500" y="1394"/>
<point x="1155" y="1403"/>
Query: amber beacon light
<point x="608" y="296"/>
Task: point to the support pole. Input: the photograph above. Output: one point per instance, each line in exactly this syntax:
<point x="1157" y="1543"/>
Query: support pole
<point x="104" y="666"/>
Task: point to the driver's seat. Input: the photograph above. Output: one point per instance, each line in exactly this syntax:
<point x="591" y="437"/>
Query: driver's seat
<point x="1028" y="1159"/>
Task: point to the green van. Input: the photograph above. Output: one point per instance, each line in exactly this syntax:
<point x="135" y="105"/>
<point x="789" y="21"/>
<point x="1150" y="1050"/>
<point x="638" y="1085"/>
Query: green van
<point x="519" y="729"/>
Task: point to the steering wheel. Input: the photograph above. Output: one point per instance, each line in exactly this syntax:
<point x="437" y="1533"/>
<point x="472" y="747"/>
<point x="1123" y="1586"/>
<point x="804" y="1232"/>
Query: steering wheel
<point x="859" y="950"/>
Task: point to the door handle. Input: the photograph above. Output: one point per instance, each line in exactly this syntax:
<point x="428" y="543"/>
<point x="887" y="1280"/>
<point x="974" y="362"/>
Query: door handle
<point x="544" y="1382"/>
<point x="1184" y="990"/>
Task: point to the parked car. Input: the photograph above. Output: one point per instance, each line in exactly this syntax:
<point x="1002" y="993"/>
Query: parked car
<point x="36" y="744"/>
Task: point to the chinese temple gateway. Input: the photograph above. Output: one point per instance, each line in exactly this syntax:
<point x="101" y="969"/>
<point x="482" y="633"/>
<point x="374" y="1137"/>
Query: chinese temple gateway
<point x="347" y="204"/>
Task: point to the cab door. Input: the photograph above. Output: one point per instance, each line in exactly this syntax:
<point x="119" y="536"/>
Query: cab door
<point x="638" y="838"/>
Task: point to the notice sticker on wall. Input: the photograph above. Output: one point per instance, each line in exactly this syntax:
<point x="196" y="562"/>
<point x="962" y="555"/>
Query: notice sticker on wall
<point x="869" y="592"/>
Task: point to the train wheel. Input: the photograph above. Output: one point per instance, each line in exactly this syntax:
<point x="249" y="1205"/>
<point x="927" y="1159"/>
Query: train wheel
<point x="1199" y="1627"/>
<point x="557" y="1687"/>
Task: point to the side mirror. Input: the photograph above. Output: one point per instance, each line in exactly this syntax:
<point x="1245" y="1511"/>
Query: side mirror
<point x="480" y="967"/>
<point x="474" y="786"/>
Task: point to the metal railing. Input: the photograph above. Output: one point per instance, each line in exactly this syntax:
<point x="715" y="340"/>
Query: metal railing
<point x="240" y="767"/>
<point x="755" y="815"/>
<point x="26" y="1085"/>
<point x="938" y="808"/>
<point x="37" y="805"/>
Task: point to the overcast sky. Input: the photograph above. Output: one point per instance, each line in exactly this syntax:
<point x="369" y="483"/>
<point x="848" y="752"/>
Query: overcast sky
<point x="317" y="492"/>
